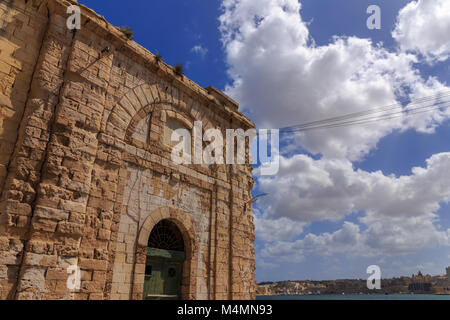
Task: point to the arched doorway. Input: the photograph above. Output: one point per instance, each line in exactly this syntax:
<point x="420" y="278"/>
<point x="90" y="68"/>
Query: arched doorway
<point x="164" y="262"/>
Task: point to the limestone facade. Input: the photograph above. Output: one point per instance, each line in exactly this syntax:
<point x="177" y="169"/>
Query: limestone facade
<point x="85" y="172"/>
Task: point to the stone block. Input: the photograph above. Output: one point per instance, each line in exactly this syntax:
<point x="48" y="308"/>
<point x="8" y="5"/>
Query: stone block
<point x="92" y="264"/>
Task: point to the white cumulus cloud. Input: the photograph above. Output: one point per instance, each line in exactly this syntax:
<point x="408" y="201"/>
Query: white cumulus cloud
<point x="399" y="212"/>
<point x="281" y="78"/>
<point x="423" y="26"/>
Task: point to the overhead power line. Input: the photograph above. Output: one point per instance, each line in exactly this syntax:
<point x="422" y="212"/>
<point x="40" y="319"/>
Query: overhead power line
<point x="375" y="114"/>
<point x="366" y="121"/>
<point x="387" y="116"/>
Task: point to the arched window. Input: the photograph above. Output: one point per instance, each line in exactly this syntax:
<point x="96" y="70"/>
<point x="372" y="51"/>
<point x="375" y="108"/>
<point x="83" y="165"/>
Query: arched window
<point x="166" y="235"/>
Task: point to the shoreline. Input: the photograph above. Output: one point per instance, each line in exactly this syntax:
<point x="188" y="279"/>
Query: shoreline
<point x="354" y="297"/>
<point x="352" y="294"/>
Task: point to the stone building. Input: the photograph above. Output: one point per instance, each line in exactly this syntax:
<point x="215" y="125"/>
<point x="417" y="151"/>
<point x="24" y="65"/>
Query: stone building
<point x="86" y="176"/>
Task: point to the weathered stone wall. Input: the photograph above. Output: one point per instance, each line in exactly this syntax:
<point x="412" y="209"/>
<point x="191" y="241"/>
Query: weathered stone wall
<point x="145" y="193"/>
<point x="21" y="32"/>
<point x="85" y="173"/>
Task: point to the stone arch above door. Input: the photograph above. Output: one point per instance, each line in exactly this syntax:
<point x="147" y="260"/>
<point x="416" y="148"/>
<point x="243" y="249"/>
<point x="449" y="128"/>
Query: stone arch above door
<point x="177" y="216"/>
<point x="186" y="227"/>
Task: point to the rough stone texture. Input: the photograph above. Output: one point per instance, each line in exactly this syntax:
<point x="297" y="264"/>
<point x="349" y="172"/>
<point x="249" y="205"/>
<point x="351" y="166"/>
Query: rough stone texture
<point x="85" y="173"/>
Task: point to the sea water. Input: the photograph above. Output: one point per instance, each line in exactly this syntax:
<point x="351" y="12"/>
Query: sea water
<point x="357" y="297"/>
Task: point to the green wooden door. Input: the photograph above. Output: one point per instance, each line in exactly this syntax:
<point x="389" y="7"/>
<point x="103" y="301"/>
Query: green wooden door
<point x="163" y="275"/>
<point x="154" y="279"/>
<point x="172" y="278"/>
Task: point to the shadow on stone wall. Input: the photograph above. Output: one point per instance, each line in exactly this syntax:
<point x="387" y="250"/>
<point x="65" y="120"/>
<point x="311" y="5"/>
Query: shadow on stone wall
<point x="18" y="59"/>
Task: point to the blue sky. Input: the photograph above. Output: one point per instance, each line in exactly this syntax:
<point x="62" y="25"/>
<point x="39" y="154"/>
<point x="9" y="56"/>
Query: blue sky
<point x="269" y="76"/>
<point x="173" y="28"/>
